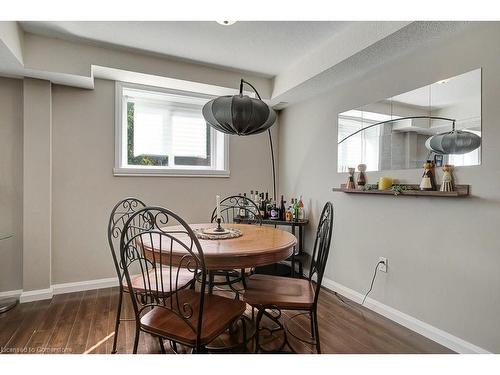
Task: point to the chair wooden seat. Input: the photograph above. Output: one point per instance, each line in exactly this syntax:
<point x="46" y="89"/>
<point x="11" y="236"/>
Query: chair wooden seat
<point x="185" y="276"/>
<point x="218" y="313"/>
<point x="283" y="292"/>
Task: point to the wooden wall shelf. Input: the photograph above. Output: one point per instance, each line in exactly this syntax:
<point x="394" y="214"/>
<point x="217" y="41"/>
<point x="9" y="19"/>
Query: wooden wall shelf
<point x="460" y="191"/>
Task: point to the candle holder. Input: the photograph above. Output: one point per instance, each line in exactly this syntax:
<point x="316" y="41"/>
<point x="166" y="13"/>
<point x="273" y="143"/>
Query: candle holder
<point x="219" y="229"/>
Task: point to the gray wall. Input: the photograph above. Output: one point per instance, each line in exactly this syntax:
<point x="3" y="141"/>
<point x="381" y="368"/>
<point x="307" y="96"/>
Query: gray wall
<point x="11" y="182"/>
<point x="85" y="190"/>
<point x="443" y="254"/>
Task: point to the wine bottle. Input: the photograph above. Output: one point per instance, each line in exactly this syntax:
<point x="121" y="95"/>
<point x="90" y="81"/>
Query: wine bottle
<point x="265" y="204"/>
<point x="282" y="209"/>
<point x="295" y="209"/>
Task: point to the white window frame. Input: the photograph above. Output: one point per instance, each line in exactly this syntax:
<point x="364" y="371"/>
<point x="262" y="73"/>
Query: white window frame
<point x="120" y="145"/>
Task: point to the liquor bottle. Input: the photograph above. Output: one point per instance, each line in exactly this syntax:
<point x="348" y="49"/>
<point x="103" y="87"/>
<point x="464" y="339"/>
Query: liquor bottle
<point x="265" y="203"/>
<point x="282" y="209"/>
<point x="274" y="211"/>
<point x="295" y="210"/>
<point x="251" y="195"/>
<point x="301" y="213"/>
<point x="261" y="206"/>
<point x="288" y="214"/>
<point x="243" y="211"/>
<point x="257" y="198"/>
<point x="269" y="207"/>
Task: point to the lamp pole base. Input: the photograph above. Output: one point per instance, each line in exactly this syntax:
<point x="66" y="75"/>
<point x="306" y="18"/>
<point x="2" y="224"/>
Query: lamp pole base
<point x="8" y="304"/>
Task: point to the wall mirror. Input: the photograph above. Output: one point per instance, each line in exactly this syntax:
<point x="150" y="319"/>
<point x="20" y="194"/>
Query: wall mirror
<point x="391" y="133"/>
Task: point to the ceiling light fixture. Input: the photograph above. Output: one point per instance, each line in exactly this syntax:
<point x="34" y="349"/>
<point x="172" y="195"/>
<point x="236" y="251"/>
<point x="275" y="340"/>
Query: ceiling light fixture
<point x="226" y="23"/>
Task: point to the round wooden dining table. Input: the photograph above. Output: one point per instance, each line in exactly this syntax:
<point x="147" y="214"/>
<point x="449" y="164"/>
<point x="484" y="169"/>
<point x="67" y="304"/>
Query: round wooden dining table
<point x="257" y="246"/>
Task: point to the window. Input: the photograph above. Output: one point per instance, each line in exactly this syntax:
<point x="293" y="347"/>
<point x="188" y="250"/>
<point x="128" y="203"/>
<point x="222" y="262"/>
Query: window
<point x="163" y="132"/>
<point x="362" y="147"/>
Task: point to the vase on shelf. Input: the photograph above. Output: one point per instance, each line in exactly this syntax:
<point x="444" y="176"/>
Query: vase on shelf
<point x="361" y="175"/>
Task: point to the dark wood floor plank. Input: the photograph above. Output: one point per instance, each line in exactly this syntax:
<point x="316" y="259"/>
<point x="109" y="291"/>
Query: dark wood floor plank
<point x="397" y="337"/>
<point x="79" y="321"/>
<point x="41" y="336"/>
<point x="59" y="338"/>
<point x="99" y="325"/>
<point x="32" y="319"/>
<point x="12" y="326"/>
<point x="77" y="341"/>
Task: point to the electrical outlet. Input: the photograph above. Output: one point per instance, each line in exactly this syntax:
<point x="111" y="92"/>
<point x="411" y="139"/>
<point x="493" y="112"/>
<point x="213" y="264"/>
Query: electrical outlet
<point x="382" y="267"/>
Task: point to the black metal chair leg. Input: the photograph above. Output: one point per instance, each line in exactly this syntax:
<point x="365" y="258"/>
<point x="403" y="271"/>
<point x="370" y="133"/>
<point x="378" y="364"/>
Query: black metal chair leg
<point x="316" y="332"/>
<point x="260" y="313"/>
<point x="162" y="347"/>
<point x="136" y="340"/>
<point x="117" y="323"/>
<point x="243" y="281"/>
<point x="210" y="282"/>
<point x="313" y="329"/>
<point x="174" y="346"/>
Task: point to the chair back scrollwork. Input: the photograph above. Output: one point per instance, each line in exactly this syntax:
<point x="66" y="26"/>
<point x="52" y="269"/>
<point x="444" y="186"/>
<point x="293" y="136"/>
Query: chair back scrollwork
<point x="237" y="207"/>
<point x="154" y="240"/>
<point x="120" y="213"/>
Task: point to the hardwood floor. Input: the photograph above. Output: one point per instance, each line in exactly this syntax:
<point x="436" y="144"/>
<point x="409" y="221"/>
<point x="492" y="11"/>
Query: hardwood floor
<point x="83" y="322"/>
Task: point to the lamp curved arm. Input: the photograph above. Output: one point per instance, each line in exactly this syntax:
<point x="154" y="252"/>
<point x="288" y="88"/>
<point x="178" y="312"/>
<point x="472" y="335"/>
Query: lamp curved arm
<point x="268" y="132"/>
<point x="249" y="84"/>
<point x="399" y="119"/>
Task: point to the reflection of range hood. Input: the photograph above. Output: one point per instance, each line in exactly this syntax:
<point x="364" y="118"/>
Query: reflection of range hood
<point x="453" y="142"/>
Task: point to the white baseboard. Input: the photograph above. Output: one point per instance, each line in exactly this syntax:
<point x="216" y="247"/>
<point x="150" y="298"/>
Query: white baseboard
<point x="85" y="285"/>
<point x="36" y="295"/>
<point x="41" y="294"/>
<point x="435" y="334"/>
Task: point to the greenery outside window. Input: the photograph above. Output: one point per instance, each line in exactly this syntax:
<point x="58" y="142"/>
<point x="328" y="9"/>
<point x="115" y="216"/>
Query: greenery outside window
<point x="163" y="132"/>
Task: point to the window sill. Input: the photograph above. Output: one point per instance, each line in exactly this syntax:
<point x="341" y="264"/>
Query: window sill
<point x="143" y="172"/>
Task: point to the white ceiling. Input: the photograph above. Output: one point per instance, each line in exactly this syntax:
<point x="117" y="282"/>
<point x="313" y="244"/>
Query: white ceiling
<point x="260" y="47"/>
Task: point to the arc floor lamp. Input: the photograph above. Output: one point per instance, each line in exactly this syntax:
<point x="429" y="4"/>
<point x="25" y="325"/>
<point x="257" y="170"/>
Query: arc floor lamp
<point x="242" y="115"/>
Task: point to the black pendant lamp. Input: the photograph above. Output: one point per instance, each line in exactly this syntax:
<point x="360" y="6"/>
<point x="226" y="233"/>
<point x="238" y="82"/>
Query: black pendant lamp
<point x="241" y="115"/>
<point x="454" y="142"/>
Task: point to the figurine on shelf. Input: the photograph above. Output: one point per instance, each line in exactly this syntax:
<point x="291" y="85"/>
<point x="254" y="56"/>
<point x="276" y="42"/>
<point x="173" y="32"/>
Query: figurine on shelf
<point x="350" y="181"/>
<point x="447" y="184"/>
<point x="428" y="181"/>
<point x="361" y="176"/>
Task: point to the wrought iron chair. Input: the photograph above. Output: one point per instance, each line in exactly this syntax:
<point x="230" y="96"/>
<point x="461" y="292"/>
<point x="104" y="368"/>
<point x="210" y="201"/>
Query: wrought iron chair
<point x="273" y="294"/>
<point x="120" y="213"/>
<point x="234" y="209"/>
<point x="168" y="309"/>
